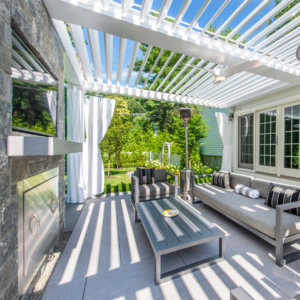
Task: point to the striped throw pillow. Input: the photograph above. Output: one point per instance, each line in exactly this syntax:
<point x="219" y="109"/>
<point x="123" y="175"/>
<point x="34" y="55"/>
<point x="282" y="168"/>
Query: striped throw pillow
<point x="221" y="179"/>
<point x="278" y="195"/>
<point x="146" y="176"/>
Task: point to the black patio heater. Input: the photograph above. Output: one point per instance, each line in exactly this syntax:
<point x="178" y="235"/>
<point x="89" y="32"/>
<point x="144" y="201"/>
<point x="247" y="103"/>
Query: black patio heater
<point x="186" y="174"/>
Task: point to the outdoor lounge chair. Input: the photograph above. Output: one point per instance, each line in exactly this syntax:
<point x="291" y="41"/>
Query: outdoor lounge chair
<point x="160" y="189"/>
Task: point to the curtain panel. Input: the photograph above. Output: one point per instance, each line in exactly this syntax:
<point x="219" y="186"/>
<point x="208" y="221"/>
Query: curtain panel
<point x="98" y="115"/>
<point x="75" y="132"/>
<point x="224" y="126"/>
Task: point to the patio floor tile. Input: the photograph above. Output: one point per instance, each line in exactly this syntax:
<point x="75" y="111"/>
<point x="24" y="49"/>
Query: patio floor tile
<point x="110" y="257"/>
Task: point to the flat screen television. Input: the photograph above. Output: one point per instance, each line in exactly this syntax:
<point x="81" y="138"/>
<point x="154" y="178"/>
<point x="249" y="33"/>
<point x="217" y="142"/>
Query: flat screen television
<point x="34" y="107"/>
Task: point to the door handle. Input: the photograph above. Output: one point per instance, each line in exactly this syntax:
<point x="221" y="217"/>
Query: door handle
<point x="38" y="224"/>
<point x="53" y="200"/>
<point x="276" y="139"/>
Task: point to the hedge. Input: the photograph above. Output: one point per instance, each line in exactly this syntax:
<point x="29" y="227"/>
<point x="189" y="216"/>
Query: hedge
<point x="126" y="165"/>
<point x="121" y="187"/>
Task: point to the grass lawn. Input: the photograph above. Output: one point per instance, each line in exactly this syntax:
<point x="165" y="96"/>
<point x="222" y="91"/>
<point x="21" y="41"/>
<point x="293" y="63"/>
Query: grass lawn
<point x="117" y="176"/>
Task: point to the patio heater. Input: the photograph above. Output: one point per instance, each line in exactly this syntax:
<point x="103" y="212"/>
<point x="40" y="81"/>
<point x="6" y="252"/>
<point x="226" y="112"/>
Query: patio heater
<point x="186" y="174"/>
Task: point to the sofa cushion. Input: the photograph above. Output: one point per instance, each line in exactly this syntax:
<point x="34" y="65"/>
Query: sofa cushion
<point x="250" y="211"/>
<point x="278" y="196"/>
<point x="160" y="175"/>
<point x="158" y="188"/>
<point x="221" y="179"/>
<point x="236" y="179"/>
<point x="263" y="186"/>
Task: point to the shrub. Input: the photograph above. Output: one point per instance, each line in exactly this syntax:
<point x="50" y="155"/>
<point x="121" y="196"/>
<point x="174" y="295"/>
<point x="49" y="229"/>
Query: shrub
<point x="120" y="187"/>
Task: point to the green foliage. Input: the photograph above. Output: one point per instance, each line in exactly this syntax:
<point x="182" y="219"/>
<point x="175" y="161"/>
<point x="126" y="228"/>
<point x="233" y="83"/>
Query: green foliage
<point x="30" y="107"/>
<point x="120" y="187"/>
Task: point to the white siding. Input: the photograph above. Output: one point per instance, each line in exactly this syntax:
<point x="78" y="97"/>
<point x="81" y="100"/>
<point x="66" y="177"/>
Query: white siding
<point x="213" y="143"/>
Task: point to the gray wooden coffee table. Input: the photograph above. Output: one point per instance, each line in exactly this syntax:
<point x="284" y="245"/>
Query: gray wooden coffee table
<point x="186" y="230"/>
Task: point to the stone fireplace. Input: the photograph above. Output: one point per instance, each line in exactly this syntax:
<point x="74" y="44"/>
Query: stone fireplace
<point x="30" y="20"/>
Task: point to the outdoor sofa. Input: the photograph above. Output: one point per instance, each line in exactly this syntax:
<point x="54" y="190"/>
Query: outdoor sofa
<point x="276" y="226"/>
<point x="160" y="189"/>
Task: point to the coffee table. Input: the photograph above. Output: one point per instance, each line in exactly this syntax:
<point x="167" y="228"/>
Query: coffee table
<point x="186" y="230"/>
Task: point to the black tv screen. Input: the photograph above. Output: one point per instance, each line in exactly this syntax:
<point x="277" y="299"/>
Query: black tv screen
<point x="34" y="107"/>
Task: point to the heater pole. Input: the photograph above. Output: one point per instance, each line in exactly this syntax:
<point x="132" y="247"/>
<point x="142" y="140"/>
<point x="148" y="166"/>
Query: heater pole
<point x="186" y="144"/>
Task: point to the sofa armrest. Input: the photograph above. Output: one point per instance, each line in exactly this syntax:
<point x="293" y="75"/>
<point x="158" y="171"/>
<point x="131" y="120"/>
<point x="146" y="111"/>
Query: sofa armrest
<point x="135" y="188"/>
<point x="175" y="181"/>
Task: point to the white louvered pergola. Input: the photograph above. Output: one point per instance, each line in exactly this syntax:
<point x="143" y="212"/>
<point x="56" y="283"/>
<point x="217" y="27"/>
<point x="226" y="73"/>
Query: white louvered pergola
<point x="280" y="69"/>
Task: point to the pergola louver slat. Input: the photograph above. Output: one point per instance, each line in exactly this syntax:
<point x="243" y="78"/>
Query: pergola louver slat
<point x="275" y="25"/>
<point x="263" y="20"/>
<point x="153" y="67"/>
<point x="248" y="19"/>
<point x="198" y="15"/>
<point x="95" y="49"/>
<point x="143" y="65"/>
<point x="146" y="8"/>
<point x="63" y="34"/>
<point x="122" y="49"/>
<point x="162" y="69"/>
<point x="79" y="41"/>
<point x="181" y="13"/>
<point x="132" y="61"/>
<point x="214" y="17"/>
<point x="126" y="5"/>
<point x="108" y="41"/>
<point x="163" y="11"/>
<point x="232" y="17"/>
<point x="179" y="74"/>
<point x="172" y="71"/>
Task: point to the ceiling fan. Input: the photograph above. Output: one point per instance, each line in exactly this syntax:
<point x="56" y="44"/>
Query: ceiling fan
<point x="223" y="73"/>
<point x="298" y="53"/>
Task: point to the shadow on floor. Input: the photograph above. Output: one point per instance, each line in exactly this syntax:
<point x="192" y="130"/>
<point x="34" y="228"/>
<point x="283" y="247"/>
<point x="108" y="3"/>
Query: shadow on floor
<point x="72" y="213"/>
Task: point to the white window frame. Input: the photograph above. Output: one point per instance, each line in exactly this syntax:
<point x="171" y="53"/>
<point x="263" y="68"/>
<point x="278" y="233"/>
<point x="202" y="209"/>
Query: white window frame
<point x="279" y="170"/>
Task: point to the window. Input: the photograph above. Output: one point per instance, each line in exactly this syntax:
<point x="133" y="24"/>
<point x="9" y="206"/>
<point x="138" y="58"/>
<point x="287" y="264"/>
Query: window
<point x="269" y="140"/>
<point x="246" y="142"/>
<point x="291" y="137"/>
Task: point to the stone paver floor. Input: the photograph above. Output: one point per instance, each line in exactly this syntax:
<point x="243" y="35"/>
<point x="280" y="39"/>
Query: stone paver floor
<point x="108" y="256"/>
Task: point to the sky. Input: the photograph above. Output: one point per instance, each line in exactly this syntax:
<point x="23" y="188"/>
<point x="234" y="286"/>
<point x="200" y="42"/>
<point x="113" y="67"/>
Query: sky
<point x="188" y="17"/>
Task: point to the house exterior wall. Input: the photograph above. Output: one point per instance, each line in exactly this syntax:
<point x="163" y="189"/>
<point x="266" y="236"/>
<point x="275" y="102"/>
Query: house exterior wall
<point x="212" y="147"/>
<point x="279" y="98"/>
<point x="32" y="23"/>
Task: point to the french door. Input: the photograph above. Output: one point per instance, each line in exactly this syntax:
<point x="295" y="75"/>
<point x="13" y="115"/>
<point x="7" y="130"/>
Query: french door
<point x="267" y="140"/>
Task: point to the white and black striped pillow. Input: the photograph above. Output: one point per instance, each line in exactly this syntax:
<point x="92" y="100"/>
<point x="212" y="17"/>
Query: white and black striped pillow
<point x="278" y="196"/>
<point x="221" y="179"/>
<point x="146" y="176"/>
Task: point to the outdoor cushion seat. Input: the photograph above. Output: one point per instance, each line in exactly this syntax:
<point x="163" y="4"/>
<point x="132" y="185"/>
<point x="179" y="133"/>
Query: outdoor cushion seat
<point x="158" y="188"/>
<point x="253" y="212"/>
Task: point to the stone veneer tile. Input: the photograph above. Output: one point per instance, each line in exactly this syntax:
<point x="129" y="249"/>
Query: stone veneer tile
<point x="8" y="246"/>
<point x="5" y="116"/>
<point x="8" y="272"/>
<point x="19" y="168"/>
<point x="5" y="57"/>
<point x="8" y="218"/>
<point x="4" y="163"/>
<point x="4" y="189"/>
<point x="10" y="292"/>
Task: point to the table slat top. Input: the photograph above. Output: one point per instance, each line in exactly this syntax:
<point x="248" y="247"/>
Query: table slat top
<point x="187" y="228"/>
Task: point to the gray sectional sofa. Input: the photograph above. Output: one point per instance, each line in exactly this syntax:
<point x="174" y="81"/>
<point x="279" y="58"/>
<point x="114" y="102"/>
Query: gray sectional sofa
<point x="273" y="225"/>
<point x="161" y="189"/>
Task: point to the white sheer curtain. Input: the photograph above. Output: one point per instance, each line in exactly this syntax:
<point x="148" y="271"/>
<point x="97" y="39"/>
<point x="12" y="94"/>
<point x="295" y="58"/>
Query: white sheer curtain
<point x="75" y="103"/>
<point x="51" y="98"/>
<point x="98" y="115"/>
<point x="224" y="126"/>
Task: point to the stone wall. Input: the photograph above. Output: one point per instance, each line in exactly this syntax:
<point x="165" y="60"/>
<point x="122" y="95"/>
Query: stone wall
<point x="30" y="20"/>
<point x="212" y="161"/>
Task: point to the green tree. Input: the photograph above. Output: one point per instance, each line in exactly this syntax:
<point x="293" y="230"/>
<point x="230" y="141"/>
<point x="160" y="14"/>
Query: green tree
<point x="115" y="137"/>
